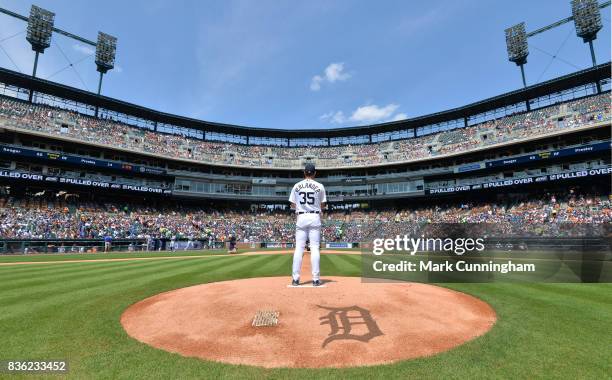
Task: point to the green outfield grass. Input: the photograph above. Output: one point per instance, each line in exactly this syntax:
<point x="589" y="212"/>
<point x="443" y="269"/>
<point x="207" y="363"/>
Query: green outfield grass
<point x="100" y="256"/>
<point x="13" y="258"/>
<point x="72" y="310"/>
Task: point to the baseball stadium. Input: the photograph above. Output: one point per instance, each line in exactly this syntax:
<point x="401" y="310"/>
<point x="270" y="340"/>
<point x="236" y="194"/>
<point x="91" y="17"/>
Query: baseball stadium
<point x="139" y="243"/>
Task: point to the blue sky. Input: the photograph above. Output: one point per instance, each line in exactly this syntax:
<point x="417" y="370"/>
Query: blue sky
<point x="303" y="64"/>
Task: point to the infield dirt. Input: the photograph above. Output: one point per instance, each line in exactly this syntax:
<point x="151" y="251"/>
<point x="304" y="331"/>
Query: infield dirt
<point x="346" y="323"/>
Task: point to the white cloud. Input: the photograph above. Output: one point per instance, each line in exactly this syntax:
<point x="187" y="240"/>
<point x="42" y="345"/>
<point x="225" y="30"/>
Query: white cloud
<point x="315" y="84"/>
<point x="366" y="115"/>
<point x="373" y="113"/>
<point x="87" y="50"/>
<point x="334" y="72"/>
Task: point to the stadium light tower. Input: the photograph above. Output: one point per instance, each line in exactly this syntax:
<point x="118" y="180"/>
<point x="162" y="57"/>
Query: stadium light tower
<point x="39" y="31"/>
<point x="106" y="48"/>
<point x="516" y="44"/>
<point x="105" y="55"/>
<point x="587" y="19"/>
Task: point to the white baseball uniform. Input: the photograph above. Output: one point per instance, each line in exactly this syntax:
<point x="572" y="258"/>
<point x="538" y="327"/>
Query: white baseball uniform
<point x="307" y="195"/>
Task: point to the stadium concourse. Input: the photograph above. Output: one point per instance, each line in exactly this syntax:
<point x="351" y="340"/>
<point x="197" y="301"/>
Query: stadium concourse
<point x="69" y="124"/>
<point x="49" y="215"/>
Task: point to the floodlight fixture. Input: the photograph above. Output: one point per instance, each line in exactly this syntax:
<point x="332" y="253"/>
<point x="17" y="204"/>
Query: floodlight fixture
<point x="106" y="48"/>
<point x="516" y="44"/>
<point x="40" y="28"/>
<point x="105" y="52"/>
<point x="587" y="19"/>
<point x="39" y="31"/>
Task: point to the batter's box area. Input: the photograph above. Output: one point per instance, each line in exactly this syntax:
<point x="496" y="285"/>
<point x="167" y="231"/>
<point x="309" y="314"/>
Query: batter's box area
<point x="265" y="318"/>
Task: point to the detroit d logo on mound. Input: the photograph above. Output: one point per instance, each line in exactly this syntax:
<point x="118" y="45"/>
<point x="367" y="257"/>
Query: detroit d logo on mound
<point x="349" y="323"/>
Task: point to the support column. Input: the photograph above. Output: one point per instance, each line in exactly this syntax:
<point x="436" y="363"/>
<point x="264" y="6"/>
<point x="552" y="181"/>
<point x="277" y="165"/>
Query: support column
<point x="99" y="90"/>
<point x="34" y="75"/>
<point x="594" y="61"/>
<point x="523" y="76"/>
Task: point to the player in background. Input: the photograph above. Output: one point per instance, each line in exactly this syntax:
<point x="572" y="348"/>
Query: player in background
<point x="172" y="243"/>
<point x="232" y="244"/>
<point x="189" y="242"/>
<point x="107" y="243"/>
<point x="308" y="200"/>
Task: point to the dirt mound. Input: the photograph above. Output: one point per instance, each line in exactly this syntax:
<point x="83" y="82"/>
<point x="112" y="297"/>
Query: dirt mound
<point x="345" y="323"/>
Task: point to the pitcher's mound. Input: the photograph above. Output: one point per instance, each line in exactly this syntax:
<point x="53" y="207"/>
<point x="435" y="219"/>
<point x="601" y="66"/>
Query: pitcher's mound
<point x="346" y="323"/>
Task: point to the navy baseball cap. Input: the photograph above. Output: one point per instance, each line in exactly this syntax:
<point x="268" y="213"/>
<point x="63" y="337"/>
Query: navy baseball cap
<point x="309" y="168"/>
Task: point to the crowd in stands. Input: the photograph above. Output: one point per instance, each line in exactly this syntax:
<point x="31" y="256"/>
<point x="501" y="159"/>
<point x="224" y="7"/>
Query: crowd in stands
<point x="59" y="122"/>
<point x="44" y="217"/>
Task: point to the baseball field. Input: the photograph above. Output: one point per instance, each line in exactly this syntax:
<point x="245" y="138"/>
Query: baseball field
<point x="69" y="307"/>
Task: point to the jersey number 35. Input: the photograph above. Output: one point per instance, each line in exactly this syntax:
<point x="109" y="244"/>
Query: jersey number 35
<point x="307" y="198"/>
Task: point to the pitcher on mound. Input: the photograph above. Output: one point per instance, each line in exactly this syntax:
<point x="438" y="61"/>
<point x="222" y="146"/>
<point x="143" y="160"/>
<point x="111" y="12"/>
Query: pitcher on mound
<point x="308" y="200"/>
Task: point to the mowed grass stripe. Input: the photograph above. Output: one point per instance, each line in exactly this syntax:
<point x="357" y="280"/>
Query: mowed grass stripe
<point x="553" y="325"/>
<point x="87" y="293"/>
<point x="329" y="265"/>
<point x="104" y="259"/>
<point x="68" y="292"/>
<point x="238" y="267"/>
<point x="154" y="265"/>
<point x="541" y="296"/>
<point x="20" y="271"/>
<point x="272" y="265"/>
<point x="281" y="266"/>
<point x="570" y="304"/>
<point x="66" y="273"/>
<point x="538" y="299"/>
<point x="6" y="259"/>
<point x="349" y="263"/>
<point x="16" y="270"/>
<point x="81" y="291"/>
<point x="93" y="276"/>
<point x="586" y="292"/>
